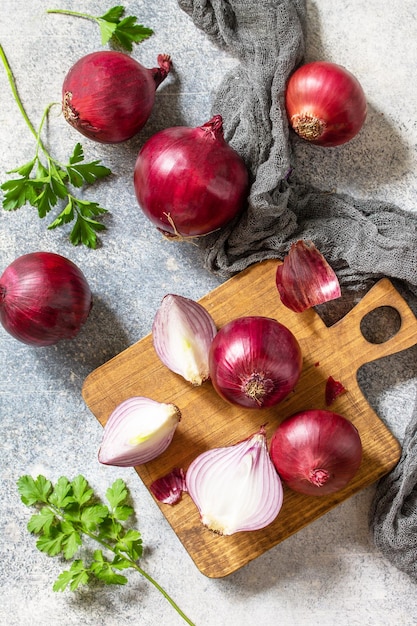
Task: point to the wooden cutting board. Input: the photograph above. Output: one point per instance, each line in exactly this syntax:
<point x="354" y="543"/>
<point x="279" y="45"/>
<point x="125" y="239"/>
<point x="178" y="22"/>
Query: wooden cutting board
<point x="208" y="421"/>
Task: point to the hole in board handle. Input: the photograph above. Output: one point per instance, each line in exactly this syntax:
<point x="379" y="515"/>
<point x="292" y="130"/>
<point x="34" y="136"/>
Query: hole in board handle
<point x="380" y="324"/>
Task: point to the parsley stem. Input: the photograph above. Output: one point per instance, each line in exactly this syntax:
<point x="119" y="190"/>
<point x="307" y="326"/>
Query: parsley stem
<point x="15" y="92"/>
<point x="137" y="567"/>
<point x="36" y="133"/>
<point x="164" y="593"/>
<point x="75" y="13"/>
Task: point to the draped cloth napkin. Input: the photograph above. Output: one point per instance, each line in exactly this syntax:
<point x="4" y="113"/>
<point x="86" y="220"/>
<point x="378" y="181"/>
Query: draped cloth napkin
<point x="363" y="240"/>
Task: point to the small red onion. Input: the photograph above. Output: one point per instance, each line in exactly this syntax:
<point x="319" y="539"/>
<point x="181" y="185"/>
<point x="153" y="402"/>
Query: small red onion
<point x="316" y="452"/>
<point x="108" y="96"/>
<point x="305" y="279"/>
<point x="44" y="298"/>
<point x="255" y="362"/>
<point x="236" y="488"/>
<point x="189" y="181"/>
<point x="182" y="332"/>
<point x="137" y="431"/>
<point x="325" y="103"/>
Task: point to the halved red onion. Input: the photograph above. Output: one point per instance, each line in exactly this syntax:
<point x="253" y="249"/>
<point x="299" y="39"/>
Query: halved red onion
<point x="138" y="430"/>
<point x="236" y="488"/>
<point x="305" y="279"/>
<point x="182" y="332"/>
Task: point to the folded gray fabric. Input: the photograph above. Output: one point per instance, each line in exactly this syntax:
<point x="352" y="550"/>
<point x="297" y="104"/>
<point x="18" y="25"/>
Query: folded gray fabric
<point x="362" y="239"/>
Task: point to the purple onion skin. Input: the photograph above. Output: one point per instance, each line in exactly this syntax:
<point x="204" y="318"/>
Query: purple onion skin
<point x="108" y="96"/>
<point x="316" y="452"/>
<point x="189" y="181"/>
<point x="259" y="349"/>
<point x="44" y="298"/>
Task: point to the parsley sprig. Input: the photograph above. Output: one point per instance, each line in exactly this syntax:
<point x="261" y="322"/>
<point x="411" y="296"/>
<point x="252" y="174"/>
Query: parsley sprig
<point x="114" y="28"/>
<point x="69" y="511"/>
<point x="44" y="181"/>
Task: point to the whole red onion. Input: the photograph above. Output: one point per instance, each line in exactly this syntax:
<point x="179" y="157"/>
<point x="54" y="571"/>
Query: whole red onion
<point x="316" y="452"/>
<point x="108" y="96"/>
<point x="254" y="361"/>
<point x="325" y="103"/>
<point x="44" y="298"/>
<point x="189" y="181"/>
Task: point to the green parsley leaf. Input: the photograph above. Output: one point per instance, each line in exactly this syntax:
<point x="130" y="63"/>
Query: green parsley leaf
<point x="61" y="494"/>
<point x="128" y="32"/>
<point x="114" y="14"/>
<point x="51" y="543"/>
<point x="41" y="522"/>
<point x="117" y="493"/>
<point x="44" y="182"/>
<point x="71" y="517"/>
<point x="75" y="576"/>
<point x="34" y="491"/>
<point x="71" y="544"/>
<point x="114" y="28"/>
<point x="81" y="491"/>
<point x="93" y="515"/>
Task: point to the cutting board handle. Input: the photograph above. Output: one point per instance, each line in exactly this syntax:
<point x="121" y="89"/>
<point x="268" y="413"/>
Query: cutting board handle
<point x="348" y="330"/>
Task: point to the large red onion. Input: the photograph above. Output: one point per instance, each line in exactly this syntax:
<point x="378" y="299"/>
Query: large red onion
<point x="325" y="103"/>
<point x="316" y="452"/>
<point x="44" y="298"/>
<point x="189" y="181"/>
<point x="255" y="362"/>
<point x="108" y="96"/>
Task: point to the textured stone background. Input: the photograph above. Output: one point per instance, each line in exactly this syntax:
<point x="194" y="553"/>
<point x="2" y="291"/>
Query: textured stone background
<point x="327" y="574"/>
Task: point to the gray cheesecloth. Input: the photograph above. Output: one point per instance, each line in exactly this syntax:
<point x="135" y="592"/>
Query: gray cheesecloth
<point x="363" y="240"/>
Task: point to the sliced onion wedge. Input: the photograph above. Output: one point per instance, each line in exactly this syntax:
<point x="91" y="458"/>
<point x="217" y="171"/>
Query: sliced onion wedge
<point x="182" y="332"/>
<point x="137" y="431"/>
<point x="305" y="279"/>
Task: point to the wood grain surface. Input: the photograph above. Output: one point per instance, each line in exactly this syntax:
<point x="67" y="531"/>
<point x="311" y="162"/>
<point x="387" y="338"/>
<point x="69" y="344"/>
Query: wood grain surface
<point x="208" y="421"/>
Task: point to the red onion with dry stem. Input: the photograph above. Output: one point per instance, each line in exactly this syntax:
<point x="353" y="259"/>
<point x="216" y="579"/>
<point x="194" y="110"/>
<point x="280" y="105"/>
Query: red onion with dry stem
<point x="108" y="96"/>
<point x="189" y="181"/>
<point x="325" y="103"/>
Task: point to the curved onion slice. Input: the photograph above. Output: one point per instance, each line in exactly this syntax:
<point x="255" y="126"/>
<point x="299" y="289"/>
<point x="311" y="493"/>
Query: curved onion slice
<point x="305" y="279"/>
<point x="236" y="488"/>
<point x="138" y="430"/>
<point x="169" y="488"/>
<point x="182" y="332"/>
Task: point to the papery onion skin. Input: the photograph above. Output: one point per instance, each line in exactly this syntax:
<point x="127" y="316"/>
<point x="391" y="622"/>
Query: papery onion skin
<point x="255" y="362"/>
<point x="325" y="103"/>
<point x="138" y="430"/>
<point x="305" y="279"/>
<point x="44" y="298"/>
<point x="108" y="96"/>
<point x="334" y="389"/>
<point x="182" y="332"/>
<point x="316" y="452"/>
<point x="236" y="488"/>
<point x="189" y="181"/>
